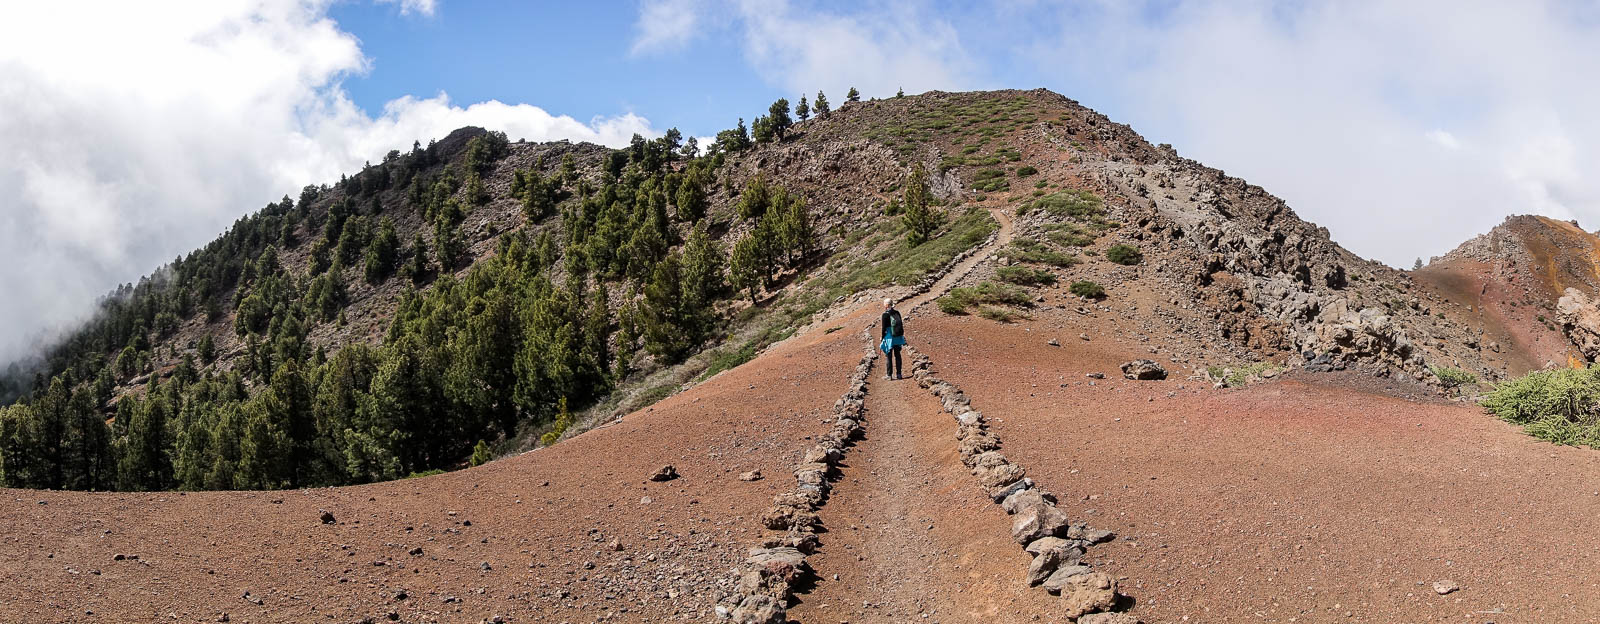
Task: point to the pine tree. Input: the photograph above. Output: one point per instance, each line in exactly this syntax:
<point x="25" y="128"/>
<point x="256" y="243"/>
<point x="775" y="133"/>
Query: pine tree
<point x="142" y="464"/>
<point x="802" y="109"/>
<point x="755" y="199"/>
<point x="382" y="252"/>
<point x="900" y="93"/>
<point x="778" y="118"/>
<point x="418" y="266"/>
<point x="920" y="217"/>
<point x="1418" y="265"/>
<point x="822" y="104"/>
<point x="666" y="329"/>
<point x="691" y="198"/>
<point x="853" y="95"/>
<point x="745" y="265"/>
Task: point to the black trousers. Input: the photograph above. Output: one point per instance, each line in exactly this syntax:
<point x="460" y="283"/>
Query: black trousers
<point x="892" y="358"/>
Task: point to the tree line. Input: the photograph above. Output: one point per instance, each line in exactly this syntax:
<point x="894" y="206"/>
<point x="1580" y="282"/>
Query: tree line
<point x="551" y="321"/>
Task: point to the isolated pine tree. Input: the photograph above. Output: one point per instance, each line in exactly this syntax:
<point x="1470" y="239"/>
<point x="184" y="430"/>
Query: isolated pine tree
<point x="920" y="217"/>
<point x="802" y="109"/>
<point x="821" y="105"/>
<point x="853" y="95"/>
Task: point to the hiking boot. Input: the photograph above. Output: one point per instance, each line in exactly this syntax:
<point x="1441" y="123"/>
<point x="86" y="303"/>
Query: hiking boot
<point x="889" y="377"/>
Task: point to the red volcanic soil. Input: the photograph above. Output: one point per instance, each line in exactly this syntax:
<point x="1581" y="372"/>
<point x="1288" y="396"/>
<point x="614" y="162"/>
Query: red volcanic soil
<point x="1312" y="499"/>
<point x="543" y="522"/>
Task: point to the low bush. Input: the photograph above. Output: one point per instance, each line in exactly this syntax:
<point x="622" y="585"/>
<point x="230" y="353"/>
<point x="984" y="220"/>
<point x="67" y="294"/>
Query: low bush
<point x="1562" y="406"/>
<point x="1087" y="290"/>
<point x="1030" y="250"/>
<point x="1026" y="276"/>
<point x="958" y="300"/>
<point x="1124" y="254"/>
<point x="1071" y="203"/>
<point x="1453" y="377"/>
<point x="1026" y="170"/>
<point x="1002" y="315"/>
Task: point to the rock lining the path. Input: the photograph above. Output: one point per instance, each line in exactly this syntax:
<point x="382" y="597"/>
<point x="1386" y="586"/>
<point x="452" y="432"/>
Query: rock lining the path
<point x="1056" y="546"/>
<point x="762" y="587"/>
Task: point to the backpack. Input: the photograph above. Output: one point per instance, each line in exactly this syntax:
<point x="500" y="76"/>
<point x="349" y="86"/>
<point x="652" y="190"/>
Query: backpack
<point x="896" y="327"/>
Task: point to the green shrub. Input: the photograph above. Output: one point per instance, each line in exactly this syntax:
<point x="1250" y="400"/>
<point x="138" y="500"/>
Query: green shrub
<point x="1235" y="377"/>
<point x="990" y="180"/>
<point x="1025" y="276"/>
<point x="1026" y="170"/>
<point x="1071" y="203"/>
<point x="1452" y="377"/>
<point x="1087" y="290"/>
<point x="986" y="293"/>
<point x="1562" y="406"/>
<point x="1002" y="315"/>
<point x="1030" y="250"/>
<point x="1124" y="254"/>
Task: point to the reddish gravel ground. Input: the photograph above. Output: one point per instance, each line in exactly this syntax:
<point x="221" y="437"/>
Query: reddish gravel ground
<point x="1311" y="499"/>
<point x="199" y="554"/>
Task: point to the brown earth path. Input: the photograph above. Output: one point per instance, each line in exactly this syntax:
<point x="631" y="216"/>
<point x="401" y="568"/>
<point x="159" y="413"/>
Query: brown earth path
<point x="910" y="536"/>
<point x="1312" y="499"/>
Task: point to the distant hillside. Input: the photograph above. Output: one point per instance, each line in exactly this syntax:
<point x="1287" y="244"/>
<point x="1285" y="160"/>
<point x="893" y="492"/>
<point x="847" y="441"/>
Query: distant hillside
<point x="477" y="296"/>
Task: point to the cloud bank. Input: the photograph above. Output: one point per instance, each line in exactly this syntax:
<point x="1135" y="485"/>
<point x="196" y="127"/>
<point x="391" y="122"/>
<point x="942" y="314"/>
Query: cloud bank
<point x="137" y="135"/>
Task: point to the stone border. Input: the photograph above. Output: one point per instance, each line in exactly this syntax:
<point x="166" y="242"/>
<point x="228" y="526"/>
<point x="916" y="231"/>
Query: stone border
<point x="1056" y="545"/>
<point x="762" y="587"/>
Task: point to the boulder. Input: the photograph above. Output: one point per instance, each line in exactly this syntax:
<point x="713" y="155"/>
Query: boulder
<point x="1143" y="370"/>
<point x="665" y="473"/>
<point x="759" y="609"/>
<point x="1092" y="536"/>
<point x="1036" y="521"/>
<point x="974" y="445"/>
<point x="970" y="418"/>
<point x="783" y="517"/>
<point x="994" y="477"/>
<point x="1058" y="579"/>
<point x="820" y="455"/>
<point x="1088" y="593"/>
<point x="1042" y="566"/>
<point x="753" y="475"/>
<point x="1005" y="492"/>
<point x="1022" y="500"/>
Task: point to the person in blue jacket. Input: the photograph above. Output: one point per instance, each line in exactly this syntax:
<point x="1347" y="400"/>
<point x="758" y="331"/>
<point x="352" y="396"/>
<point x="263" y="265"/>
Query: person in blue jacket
<point x="894" y="337"/>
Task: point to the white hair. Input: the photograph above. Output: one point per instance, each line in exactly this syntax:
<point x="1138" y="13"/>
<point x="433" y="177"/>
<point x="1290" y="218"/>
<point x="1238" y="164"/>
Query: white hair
<point x="888" y="303"/>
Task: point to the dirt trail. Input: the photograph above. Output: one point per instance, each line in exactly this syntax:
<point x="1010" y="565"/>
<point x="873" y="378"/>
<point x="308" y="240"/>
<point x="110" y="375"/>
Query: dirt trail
<point x="906" y="515"/>
<point x="909" y="534"/>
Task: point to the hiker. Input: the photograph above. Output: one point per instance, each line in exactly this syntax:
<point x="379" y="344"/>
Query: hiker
<point x="894" y="337"/>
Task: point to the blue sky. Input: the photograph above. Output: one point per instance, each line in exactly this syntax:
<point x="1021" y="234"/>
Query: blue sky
<point x="1403" y="127"/>
<point x="569" y="58"/>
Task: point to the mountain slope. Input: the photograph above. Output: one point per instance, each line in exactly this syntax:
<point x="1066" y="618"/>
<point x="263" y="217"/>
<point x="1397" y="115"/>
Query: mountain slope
<point x="1286" y="499"/>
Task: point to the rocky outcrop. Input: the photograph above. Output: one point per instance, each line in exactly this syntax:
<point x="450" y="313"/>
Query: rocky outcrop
<point x="1580" y="321"/>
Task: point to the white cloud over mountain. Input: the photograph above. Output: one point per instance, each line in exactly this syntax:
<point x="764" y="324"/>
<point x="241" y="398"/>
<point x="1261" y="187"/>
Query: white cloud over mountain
<point x="137" y="133"/>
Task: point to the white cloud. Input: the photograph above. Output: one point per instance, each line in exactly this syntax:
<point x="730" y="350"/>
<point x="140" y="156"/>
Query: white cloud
<point x="878" y="48"/>
<point x="1336" y="106"/>
<point x="407" y="7"/>
<point x="1444" y="139"/>
<point x="136" y="136"/>
<point x="666" y="24"/>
